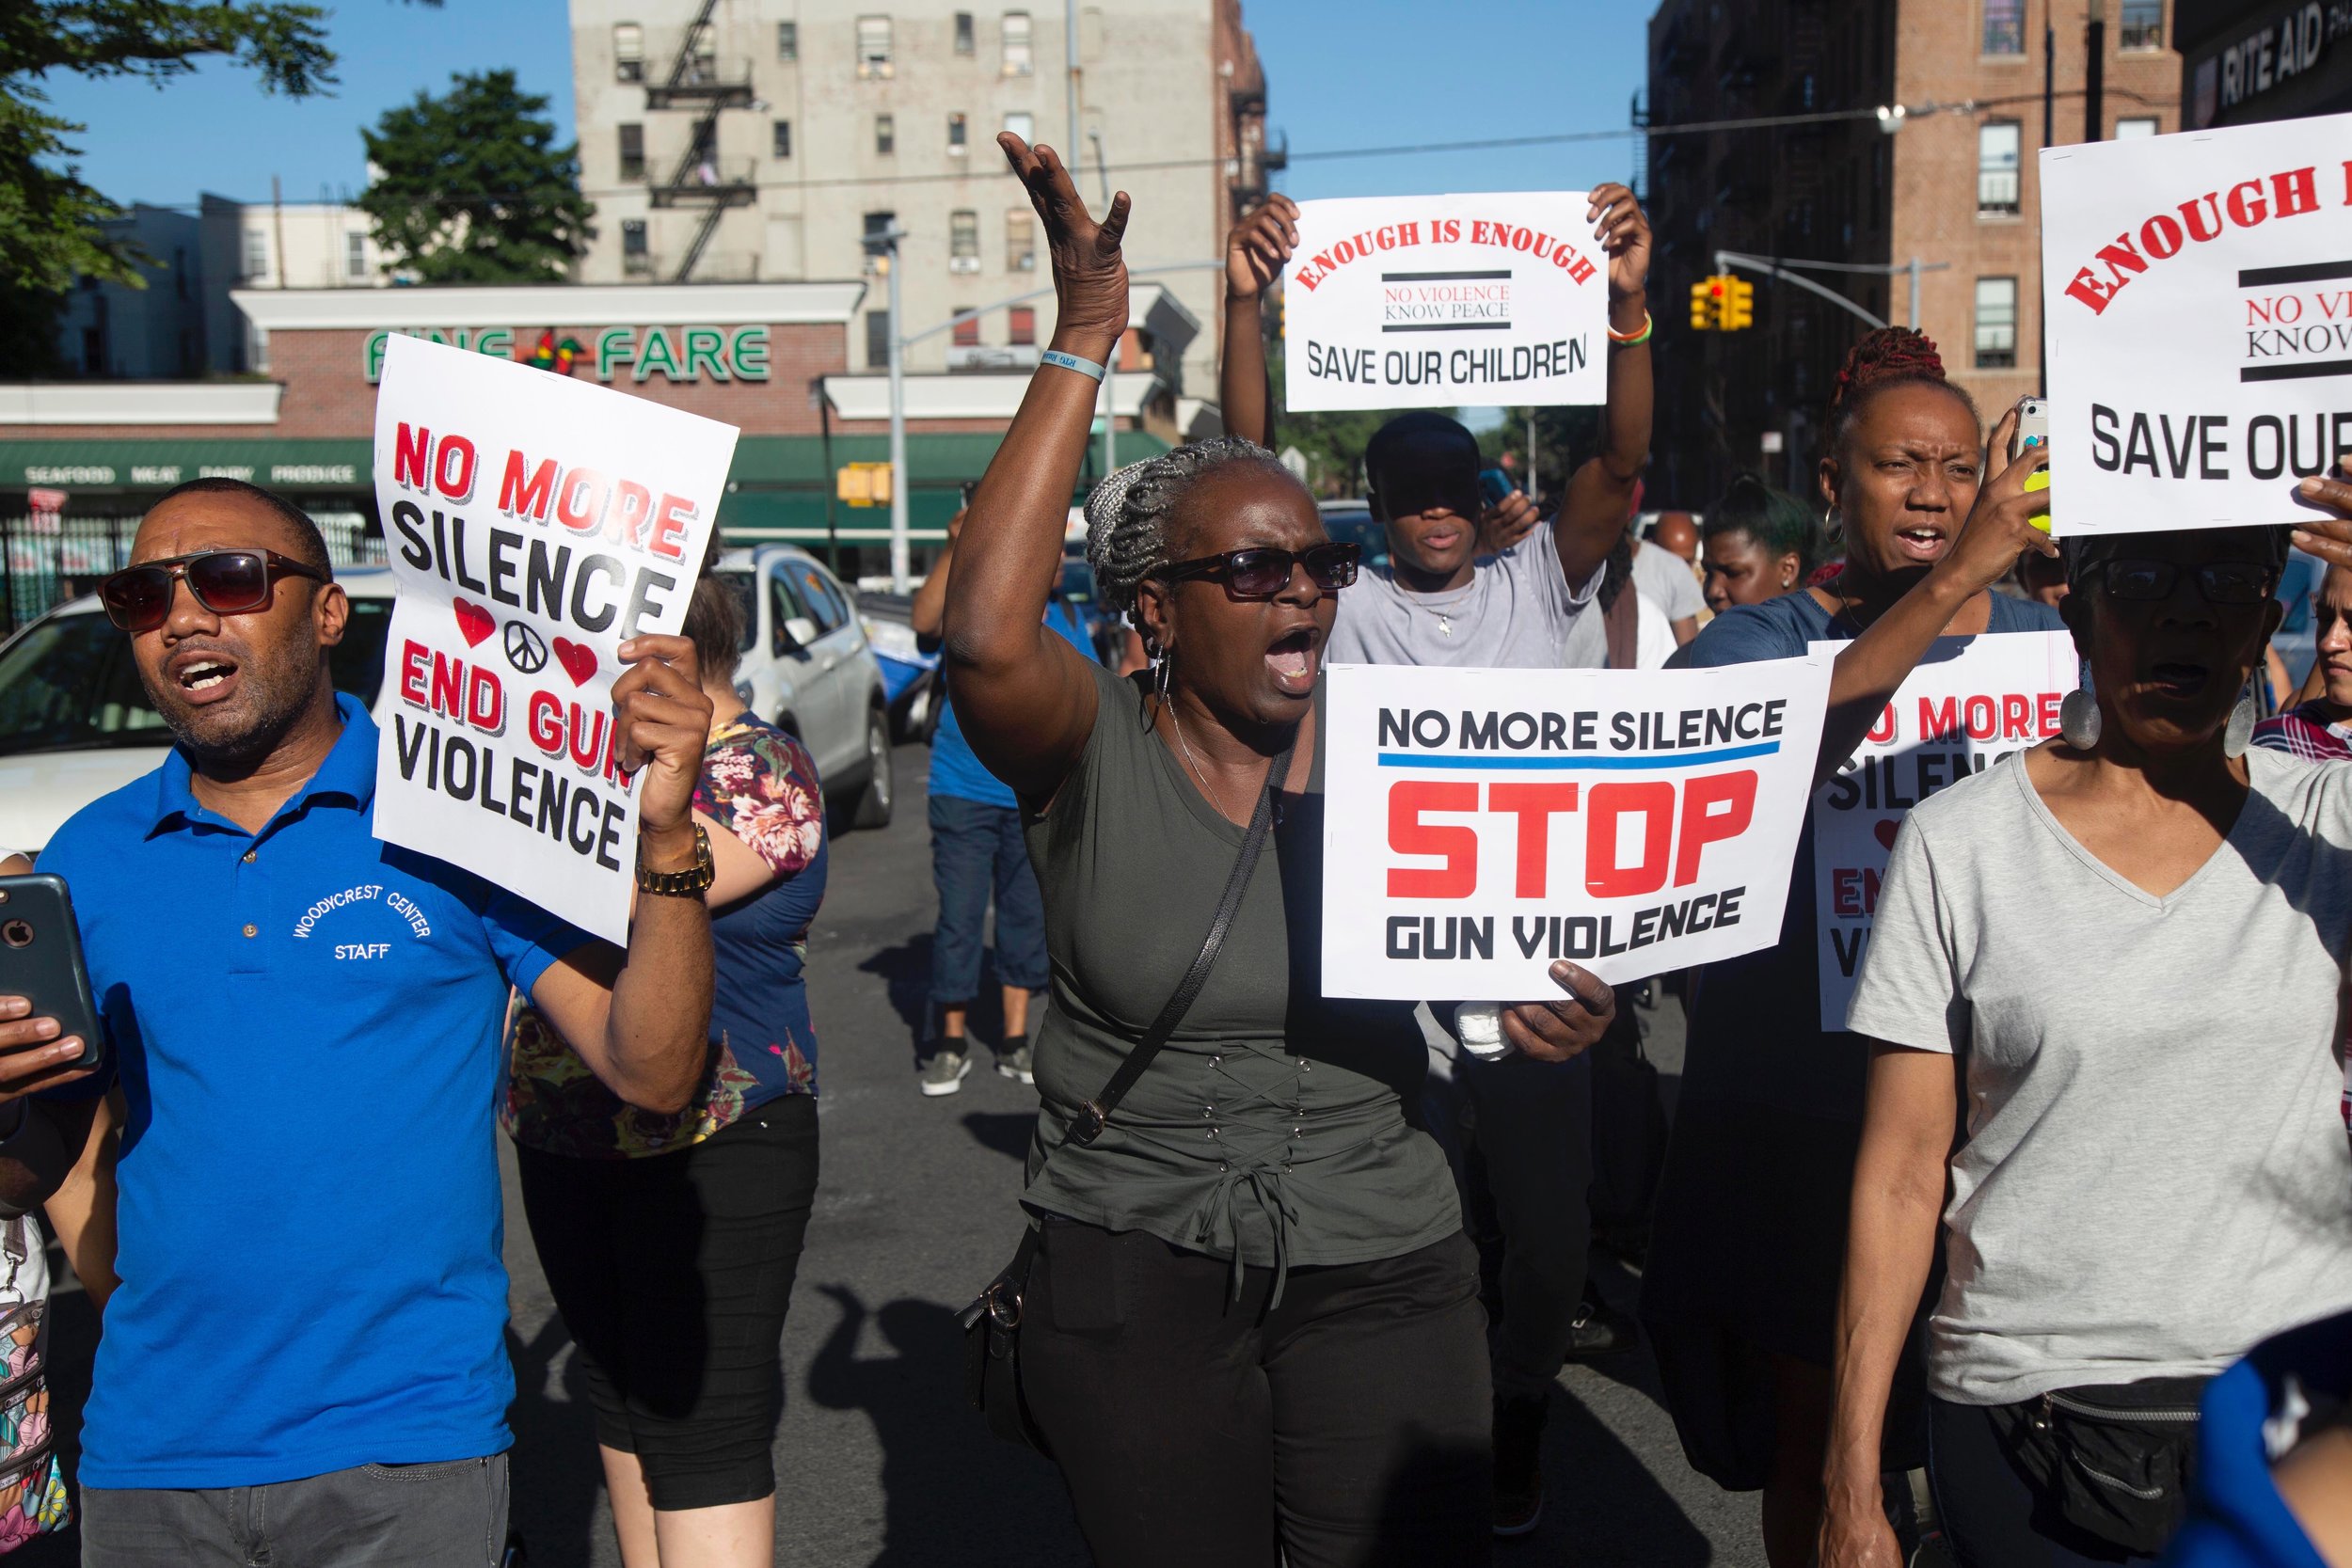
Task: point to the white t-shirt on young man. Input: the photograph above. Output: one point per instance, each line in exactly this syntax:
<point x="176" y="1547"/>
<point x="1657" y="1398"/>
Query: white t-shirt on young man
<point x="1516" y="612"/>
<point x="1667" y="578"/>
<point x="2156" y="1176"/>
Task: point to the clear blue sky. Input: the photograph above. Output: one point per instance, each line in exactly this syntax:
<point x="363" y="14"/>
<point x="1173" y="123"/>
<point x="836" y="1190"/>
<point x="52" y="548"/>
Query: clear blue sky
<point x="1343" y="73"/>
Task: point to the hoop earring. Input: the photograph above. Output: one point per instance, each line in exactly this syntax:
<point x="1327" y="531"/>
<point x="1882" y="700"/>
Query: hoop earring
<point x="2239" y="733"/>
<point x="1162" y="672"/>
<point x="2079" y="719"/>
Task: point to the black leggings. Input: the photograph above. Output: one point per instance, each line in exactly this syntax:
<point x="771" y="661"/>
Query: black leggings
<point x="1990" y="1512"/>
<point x="673" y="1274"/>
<point x="1350" y="1425"/>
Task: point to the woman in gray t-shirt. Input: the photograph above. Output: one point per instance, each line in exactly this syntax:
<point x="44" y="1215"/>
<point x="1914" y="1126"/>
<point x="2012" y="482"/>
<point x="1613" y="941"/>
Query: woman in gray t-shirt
<point x="1251" y="1328"/>
<point x="2133" y="940"/>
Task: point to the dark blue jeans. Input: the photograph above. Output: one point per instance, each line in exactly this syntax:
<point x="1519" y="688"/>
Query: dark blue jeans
<point x="977" y="850"/>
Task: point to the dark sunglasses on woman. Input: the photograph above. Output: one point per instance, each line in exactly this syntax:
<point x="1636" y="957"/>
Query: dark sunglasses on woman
<point x="1261" y="571"/>
<point x="225" y="582"/>
<point x="2137" y="582"/>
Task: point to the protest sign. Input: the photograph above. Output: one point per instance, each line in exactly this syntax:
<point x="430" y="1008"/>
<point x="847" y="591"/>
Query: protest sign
<point x="2197" y="290"/>
<point x="1481" y="823"/>
<point x="1436" y="301"/>
<point x="535" y="523"/>
<point x="1971" y="701"/>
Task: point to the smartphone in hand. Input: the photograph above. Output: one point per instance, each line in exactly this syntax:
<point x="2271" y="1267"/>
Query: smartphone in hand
<point x="1494" y="485"/>
<point x="2033" y="430"/>
<point x="40" y="959"/>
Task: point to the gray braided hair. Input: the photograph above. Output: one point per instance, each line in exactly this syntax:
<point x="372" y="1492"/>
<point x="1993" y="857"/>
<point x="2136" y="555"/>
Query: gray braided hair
<point x="1127" y="516"/>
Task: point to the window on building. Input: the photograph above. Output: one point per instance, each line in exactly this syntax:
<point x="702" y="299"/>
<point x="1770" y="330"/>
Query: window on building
<point x="702" y="54"/>
<point x="963" y="241"/>
<point x="956" y="135"/>
<point x="967" y="331"/>
<point x="782" y="132"/>
<point x="2004" y="27"/>
<point x="1996" y="323"/>
<point x="636" y="259"/>
<point x="1022" y="124"/>
<point x="2125" y="129"/>
<point x="629" y="52"/>
<point x="632" y="151"/>
<point x="877" y="340"/>
<point x="873" y="46"/>
<point x="1996" y="168"/>
<point x="788" y="40"/>
<point x="256" y="254"/>
<point x="2143" y="24"/>
<point x="356" y="257"/>
<point x="885" y="134"/>
<point x="1017" y="59"/>
<point x="964" y="44"/>
<point x="1021" y="326"/>
<point x="1020" y="239"/>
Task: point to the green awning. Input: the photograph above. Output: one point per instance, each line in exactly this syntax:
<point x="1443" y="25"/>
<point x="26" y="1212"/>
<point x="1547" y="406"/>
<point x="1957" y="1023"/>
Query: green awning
<point x="299" y="465"/>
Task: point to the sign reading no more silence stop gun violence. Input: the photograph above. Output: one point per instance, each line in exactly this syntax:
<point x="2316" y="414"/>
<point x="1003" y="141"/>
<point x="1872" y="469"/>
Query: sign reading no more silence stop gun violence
<point x="1482" y="823"/>
<point x="2198" y="294"/>
<point x="1437" y="301"/>
<point x="1971" y="701"/>
<point x="535" y="523"/>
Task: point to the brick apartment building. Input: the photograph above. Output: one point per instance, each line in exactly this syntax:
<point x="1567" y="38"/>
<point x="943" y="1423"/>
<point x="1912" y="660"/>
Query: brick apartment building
<point x="1951" y="183"/>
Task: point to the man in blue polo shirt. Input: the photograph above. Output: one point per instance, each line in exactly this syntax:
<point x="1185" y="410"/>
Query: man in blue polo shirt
<point x="304" y="1362"/>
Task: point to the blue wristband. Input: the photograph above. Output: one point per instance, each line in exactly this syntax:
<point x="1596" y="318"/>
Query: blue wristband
<point x="1070" y="362"/>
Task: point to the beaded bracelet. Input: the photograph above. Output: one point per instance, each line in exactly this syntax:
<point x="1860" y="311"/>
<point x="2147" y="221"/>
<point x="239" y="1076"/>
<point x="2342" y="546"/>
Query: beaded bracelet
<point x="1072" y="362"/>
<point x="1625" y="340"/>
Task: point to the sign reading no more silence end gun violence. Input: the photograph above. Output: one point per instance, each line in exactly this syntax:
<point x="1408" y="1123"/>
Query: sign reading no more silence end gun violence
<point x="2198" y="293"/>
<point x="1482" y="823"/>
<point x="1437" y="301"/>
<point x="535" y="523"/>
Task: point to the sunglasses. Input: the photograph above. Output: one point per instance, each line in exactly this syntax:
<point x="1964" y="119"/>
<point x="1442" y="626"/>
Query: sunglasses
<point x="2137" y="582"/>
<point x="1261" y="572"/>
<point x="225" y="582"/>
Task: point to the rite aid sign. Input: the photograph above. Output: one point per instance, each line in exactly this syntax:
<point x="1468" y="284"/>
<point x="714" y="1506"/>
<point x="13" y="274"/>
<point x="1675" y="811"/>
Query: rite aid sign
<point x="607" y="354"/>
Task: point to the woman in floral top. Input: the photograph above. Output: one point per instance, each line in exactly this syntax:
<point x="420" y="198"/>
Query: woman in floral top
<point x="670" y="1242"/>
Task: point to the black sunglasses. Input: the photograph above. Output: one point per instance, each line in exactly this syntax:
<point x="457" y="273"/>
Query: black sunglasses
<point x="2140" y="581"/>
<point x="225" y="582"/>
<point x="1261" y="571"/>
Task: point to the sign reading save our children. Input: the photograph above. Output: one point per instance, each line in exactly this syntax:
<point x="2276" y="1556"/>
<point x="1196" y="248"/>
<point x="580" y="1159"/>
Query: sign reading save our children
<point x="1436" y="301"/>
<point x="2198" y="293"/>
<point x="1482" y="823"/>
<point x="1971" y="701"/>
<point x="535" y="523"/>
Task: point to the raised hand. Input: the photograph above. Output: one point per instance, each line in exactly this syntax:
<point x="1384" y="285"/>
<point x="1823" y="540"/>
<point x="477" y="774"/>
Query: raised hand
<point x="2329" y="538"/>
<point x="31" y="1051"/>
<point x="1623" y="231"/>
<point x="1259" y="246"/>
<point x="1089" y="274"/>
<point x="662" y="720"/>
<point x="1506" y="523"/>
<point x="1558" y="1031"/>
<point x="1999" y="529"/>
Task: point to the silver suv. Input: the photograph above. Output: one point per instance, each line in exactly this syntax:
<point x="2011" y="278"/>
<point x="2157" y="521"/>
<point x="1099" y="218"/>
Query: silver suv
<point x="807" y="669"/>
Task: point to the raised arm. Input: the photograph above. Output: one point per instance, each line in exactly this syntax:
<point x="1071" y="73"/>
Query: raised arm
<point x="1024" y="695"/>
<point x="1255" y="253"/>
<point x="929" y="613"/>
<point x="1599" y="500"/>
<point x="1890" y="1244"/>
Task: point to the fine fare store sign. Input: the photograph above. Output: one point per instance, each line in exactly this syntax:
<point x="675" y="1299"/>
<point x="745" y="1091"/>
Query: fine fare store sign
<point x="606" y="354"/>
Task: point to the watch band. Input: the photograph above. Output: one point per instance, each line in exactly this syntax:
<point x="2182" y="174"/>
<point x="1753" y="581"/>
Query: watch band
<point x="1070" y="362"/>
<point x="690" y="884"/>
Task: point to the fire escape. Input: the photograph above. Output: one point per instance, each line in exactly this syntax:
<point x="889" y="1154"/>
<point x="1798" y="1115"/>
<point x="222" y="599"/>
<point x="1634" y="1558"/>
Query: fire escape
<point x="702" y="180"/>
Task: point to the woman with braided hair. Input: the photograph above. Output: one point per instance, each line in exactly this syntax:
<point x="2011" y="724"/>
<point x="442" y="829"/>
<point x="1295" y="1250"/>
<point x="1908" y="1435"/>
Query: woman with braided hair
<point x="1740" y="1290"/>
<point x="1249" y="1329"/>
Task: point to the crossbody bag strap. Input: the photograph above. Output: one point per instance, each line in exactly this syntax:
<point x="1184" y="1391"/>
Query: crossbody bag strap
<point x="1095" y="1114"/>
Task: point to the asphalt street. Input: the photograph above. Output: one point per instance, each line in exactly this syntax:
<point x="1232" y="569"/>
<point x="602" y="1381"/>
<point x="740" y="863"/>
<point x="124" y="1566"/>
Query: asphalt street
<point x="879" y="1463"/>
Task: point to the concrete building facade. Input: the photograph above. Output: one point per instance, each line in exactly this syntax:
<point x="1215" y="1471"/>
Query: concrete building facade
<point x="1951" y="183"/>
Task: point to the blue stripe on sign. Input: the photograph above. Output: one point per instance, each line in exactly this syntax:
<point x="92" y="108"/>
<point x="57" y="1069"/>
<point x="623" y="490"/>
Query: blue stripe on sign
<point x="1554" y="763"/>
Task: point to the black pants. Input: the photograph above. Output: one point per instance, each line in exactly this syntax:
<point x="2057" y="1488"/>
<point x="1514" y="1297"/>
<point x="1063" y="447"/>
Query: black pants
<point x="673" y="1274"/>
<point x="1987" y="1506"/>
<point x="1349" y="1425"/>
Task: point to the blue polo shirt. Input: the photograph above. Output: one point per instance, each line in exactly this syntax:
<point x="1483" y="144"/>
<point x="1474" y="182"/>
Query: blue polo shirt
<point x="306" y="1024"/>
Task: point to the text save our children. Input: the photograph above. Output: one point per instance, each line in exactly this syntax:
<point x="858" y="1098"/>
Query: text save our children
<point x="537" y="523"/>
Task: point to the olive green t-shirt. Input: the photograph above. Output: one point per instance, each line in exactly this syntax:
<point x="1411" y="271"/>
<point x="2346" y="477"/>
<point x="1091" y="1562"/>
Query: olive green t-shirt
<point x="1272" y="1127"/>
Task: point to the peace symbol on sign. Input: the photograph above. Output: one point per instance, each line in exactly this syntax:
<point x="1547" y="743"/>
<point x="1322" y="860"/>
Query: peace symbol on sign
<point x="525" y="650"/>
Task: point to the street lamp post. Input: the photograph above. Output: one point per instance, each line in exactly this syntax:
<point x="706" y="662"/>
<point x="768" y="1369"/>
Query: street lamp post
<point x="885" y="248"/>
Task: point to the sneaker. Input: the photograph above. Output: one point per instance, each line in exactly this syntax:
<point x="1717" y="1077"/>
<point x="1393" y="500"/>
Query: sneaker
<point x="1012" y="1059"/>
<point x="1600" y="1329"/>
<point x="1519" y="1494"/>
<point x="944" y="1073"/>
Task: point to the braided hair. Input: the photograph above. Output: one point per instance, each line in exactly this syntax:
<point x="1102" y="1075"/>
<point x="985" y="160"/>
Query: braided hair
<point x="1128" y="514"/>
<point x="1777" y="520"/>
<point x="1886" y="356"/>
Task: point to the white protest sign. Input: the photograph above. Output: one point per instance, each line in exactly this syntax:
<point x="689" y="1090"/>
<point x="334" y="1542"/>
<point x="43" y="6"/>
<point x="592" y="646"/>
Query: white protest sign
<point x="1481" y="823"/>
<point x="2198" y="293"/>
<point x="1971" y="701"/>
<point x="1437" y="301"/>
<point x="535" y="523"/>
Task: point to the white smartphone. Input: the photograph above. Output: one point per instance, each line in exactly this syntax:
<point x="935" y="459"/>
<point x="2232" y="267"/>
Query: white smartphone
<point x="2033" y="430"/>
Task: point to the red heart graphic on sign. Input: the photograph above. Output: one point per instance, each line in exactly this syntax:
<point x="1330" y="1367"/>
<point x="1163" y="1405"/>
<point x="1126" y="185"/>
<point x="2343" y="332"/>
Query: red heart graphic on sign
<point x="474" y="621"/>
<point x="1884" y="829"/>
<point x="578" y="661"/>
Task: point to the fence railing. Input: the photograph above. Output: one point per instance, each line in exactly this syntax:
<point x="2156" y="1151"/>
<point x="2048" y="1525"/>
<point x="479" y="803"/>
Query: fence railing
<point x="45" y="561"/>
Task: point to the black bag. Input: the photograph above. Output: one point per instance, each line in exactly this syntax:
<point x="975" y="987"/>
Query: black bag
<point x="992" y="1324"/>
<point x="2111" y="1461"/>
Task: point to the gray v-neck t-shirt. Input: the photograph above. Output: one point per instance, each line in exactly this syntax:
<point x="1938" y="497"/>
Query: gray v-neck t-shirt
<point x="2156" y="1174"/>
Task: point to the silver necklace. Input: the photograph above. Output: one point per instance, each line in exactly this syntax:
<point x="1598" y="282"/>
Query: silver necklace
<point x="1186" y="747"/>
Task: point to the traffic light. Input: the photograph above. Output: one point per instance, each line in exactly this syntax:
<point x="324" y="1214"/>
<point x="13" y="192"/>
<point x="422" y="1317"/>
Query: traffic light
<point x="1738" y="306"/>
<point x="1707" y="305"/>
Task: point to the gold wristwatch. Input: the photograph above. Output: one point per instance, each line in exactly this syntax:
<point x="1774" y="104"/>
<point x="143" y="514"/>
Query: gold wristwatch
<point x="690" y="884"/>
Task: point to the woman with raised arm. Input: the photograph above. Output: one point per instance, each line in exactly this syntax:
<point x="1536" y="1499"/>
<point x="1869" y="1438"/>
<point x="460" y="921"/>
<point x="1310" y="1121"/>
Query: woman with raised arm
<point x="1250" y="1331"/>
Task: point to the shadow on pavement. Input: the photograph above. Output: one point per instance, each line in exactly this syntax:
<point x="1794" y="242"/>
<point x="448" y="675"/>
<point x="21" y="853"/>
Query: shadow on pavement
<point x="1005" y="1133"/>
<point x="556" y="1473"/>
<point x="906" y="970"/>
